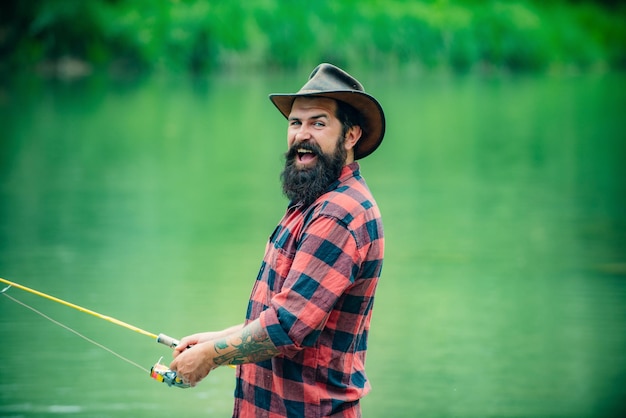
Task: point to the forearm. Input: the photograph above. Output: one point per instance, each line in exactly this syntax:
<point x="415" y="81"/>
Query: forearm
<point x="229" y="331"/>
<point x="249" y="344"/>
<point x="204" y="337"/>
<point x="235" y="345"/>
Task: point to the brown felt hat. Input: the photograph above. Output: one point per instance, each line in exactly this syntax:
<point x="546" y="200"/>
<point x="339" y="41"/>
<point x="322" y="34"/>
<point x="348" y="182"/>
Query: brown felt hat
<point x="326" y="80"/>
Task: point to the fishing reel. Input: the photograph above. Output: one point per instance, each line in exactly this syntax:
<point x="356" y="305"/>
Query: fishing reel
<point x="161" y="373"/>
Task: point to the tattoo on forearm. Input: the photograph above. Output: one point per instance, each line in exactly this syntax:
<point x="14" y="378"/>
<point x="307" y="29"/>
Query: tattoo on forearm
<point x="254" y="346"/>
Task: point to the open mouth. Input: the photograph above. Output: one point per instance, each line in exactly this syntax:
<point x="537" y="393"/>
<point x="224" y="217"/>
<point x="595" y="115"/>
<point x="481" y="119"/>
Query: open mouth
<point x="305" y="156"/>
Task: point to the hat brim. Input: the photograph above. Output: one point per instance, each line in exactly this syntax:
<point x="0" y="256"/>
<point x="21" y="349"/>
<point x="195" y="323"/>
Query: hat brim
<point x="368" y="106"/>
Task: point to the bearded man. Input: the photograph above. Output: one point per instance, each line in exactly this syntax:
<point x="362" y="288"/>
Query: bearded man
<point x="301" y="350"/>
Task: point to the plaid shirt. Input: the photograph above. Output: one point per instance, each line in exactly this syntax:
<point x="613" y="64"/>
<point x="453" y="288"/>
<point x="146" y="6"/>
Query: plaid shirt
<point x="314" y="296"/>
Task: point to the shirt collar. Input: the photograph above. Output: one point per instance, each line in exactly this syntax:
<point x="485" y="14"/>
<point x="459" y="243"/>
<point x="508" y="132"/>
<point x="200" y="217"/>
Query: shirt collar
<point x="349" y="170"/>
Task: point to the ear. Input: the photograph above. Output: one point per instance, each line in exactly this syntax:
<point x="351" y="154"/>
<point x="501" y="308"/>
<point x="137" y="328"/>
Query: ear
<point x="352" y="137"/>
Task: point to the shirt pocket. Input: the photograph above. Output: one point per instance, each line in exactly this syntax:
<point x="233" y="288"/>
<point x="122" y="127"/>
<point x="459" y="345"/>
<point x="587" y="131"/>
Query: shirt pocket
<point x="280" y="264"/>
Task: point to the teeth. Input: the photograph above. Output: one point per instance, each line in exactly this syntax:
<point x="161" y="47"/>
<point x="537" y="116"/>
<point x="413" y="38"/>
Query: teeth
<point x="304" y="151"/>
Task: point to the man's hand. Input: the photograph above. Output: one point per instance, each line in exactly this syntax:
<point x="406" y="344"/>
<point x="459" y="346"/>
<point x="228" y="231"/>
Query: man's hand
<point x="191" y="340"/>
<point x="195" y="363"/>
<point x="202" y="337"/>
<point x="198" y="354"/>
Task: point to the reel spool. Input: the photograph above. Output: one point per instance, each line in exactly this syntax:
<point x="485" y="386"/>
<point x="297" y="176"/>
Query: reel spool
<point x="162" y="373"/>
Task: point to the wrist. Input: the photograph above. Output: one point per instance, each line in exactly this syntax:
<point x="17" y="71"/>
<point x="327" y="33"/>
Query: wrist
<point x="222" y="352"/>
<point x="208" y="354"/>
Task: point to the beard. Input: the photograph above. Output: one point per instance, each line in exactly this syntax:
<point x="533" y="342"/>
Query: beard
<point x="306" y="184"/>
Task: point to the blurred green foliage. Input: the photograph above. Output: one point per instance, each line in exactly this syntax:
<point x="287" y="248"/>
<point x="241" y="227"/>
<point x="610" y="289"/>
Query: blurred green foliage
<point x="207" y="35"/>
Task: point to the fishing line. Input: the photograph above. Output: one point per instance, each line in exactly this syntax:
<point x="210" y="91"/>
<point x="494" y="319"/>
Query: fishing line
<point x="97" y="344"/>
<point x="158" y="372"/>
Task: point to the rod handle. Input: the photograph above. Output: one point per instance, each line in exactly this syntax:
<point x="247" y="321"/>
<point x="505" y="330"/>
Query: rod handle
<point x="167" y="340"/>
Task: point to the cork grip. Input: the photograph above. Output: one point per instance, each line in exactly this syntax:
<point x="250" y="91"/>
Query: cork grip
<point x="168" y="341"/>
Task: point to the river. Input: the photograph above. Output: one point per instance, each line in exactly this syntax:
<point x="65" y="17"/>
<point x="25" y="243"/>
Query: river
<point x="504" y="202"/>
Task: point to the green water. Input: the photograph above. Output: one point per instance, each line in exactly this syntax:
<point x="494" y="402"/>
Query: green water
<point x="504" y="202"/>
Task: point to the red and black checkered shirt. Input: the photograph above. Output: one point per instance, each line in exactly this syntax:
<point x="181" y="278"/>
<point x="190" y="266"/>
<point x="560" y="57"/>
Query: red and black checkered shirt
<point x="314" y="296"/>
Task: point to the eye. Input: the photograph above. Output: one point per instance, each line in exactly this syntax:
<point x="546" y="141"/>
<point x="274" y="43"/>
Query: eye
<point x="319" y="124"/>
<point x="294" y="122"/>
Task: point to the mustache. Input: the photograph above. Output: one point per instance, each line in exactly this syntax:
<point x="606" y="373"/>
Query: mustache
<point x="309" y="146"/>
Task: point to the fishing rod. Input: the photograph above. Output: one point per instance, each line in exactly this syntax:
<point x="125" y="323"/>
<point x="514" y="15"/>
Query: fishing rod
<point x="159" y="372"/>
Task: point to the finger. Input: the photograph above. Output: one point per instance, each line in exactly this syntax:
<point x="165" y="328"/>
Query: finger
<point x="187" y="341"/>
<point x="190" y="380"/>
<point x="181" y="347"/>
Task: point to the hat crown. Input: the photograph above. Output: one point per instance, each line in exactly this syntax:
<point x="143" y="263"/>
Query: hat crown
<point x="327" y="77"/>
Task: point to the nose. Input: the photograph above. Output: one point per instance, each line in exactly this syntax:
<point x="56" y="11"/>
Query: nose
<point x="302" y="133"/>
